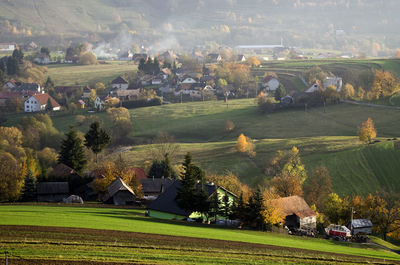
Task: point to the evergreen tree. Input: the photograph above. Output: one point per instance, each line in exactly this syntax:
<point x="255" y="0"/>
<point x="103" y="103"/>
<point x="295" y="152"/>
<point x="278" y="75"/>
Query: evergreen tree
<point x="49" y="83"/>
<point x="18" y="55"/>
<point x="280" y="92"/>
<point x="72" y="153"/>
<point x="191" y="196"/>
<point x="162" y="168"/>
<point x="49" y="105"/>
<point x="29" y="189"/>
<point x="142" y="63"/>
<point x="156" y="66"/>
<point x="255" y="209"/>
<point x="96" y="139"/>
<point x="186" y="196"/>
<point x="215" y="207"/>
<point x="12" y="66"/>
<point x="240" y="209"/>
<point x="226" y="207"/>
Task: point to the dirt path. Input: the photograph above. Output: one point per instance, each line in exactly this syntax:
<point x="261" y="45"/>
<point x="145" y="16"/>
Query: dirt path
<point x="369" y="104"/>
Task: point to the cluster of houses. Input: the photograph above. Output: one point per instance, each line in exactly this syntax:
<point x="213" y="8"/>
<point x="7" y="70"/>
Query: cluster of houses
<point x="160" y="197"/>
<point x="32" y="94"/>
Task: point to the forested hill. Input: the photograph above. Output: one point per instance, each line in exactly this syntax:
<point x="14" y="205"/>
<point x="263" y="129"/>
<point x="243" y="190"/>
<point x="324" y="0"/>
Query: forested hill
<point x="366" y="25"/>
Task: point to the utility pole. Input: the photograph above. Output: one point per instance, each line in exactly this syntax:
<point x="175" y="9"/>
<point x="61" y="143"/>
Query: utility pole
<point x="6" y="258"/>
<point x="351" y="219"/>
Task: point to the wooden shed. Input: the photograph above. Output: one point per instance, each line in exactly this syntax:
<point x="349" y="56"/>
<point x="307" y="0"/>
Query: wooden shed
<point x="52" y="191"/>
<point x="119" y="193"/>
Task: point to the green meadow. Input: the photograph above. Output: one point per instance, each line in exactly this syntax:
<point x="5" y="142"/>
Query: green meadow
<point x="130" y="220"/>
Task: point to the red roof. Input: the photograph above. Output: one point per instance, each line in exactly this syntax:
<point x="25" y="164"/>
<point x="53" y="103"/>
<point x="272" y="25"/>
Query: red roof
<point x="10" y="95"/>
<point x="43" y="98"/>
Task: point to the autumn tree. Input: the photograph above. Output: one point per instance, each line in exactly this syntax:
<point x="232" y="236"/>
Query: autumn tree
<point x="97" y="139"/>
<point x="111" y="170"/>
<point x="336" y="209"/>
<point x="232" y="183"/>
<point x="72" y="153"/>
<point x="360" y="92"/>
<point x="367" y="131"/>
<point x="280" y="92"/>
<point x="242" y="143"/>
<point x="347" y="91"/>
<point x="271" y="212"/>
<point x="253" y="61"/>
<point x="384" y="84"/>
<point x="11" y="178"/>
<point x="87" y="58"/>
<point x="314" y="195"/>
<point x="122" y="124"/>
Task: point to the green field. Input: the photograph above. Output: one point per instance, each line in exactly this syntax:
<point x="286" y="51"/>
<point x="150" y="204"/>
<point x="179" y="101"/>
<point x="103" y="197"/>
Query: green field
<point x="52" y="245"/>
<point x="69" y="74"/>
<point x="324" y="137"/>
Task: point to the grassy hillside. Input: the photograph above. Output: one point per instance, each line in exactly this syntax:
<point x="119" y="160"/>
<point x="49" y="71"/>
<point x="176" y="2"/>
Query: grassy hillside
<point x="64" y="74"/>
<point x="323" y="137"/>
<point x="134" y="221"/>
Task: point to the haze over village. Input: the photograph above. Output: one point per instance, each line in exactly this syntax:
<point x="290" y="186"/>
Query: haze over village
<point x="199" y="132"/>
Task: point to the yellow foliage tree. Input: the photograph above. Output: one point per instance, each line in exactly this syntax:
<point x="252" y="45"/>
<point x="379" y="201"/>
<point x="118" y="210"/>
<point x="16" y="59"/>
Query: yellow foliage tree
<point x="385" y="84"/>
<point x="347" y="91"/>
<point x="253" y="61"/>
<point x="271" y="212"/>
<point x="229" y="126"/>
<point x="360" y="92"/>
<point x="232" y="183"/>
<point x="242" y="143"/>
<point x="367" y="131"/>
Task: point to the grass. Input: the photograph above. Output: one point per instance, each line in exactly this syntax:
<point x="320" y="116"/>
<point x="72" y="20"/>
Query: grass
<point x="134" y="221"/>
<point x="323" y="137"/>
<point x="67" y="74"/>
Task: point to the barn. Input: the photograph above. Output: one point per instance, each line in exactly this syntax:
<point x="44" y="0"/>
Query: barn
<point x="119" y="193"/>
<point x="297" y="213"/>
<point x="52" y="191"/>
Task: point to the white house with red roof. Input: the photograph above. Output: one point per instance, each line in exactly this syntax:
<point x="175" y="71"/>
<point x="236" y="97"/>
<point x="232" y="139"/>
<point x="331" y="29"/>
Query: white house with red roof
<point x="38" y="102"/>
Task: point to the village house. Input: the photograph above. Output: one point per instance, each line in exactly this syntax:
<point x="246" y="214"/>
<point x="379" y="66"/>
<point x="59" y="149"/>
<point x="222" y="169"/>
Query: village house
<point x="42" y="59"/>
<point x="166" y="206"/>
<point x="188" y="80"/>
<point x="335" y="81"/>
<point x="270" y="83"/>
<point x="153" y="187"/>
<point x="297" y="213"/>
<point x="241" y="58"/>
<point x="8" y="47"/>
<point x="316" y="86"/>
<point x="10" y="96"/>
<point x="214" y="58"/>
<point x="119" y="83"/>
<point x="119" y="193"/>
<point x="11" y="85"/>
<point x="30" y="87"/>
<point x="81" y="104"/>
<point x="127" y="95"/>
<point x="168" y="56"/>
<point x="98" y="103"/>
<point x="52" y="191"/>
<point x="87" y="92"/>
<point x="38" y="102"/>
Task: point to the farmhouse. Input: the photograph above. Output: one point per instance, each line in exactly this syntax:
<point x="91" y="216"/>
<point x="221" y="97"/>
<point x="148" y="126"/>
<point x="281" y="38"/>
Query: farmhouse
<point x="14" y="96"/>
<point x="124" y="95"/>
<point x="270" y="83"/>
<point x="166" y="206"/>
<point x="42" y="59"/>
<point x="38" y="102"/>
<point x="297" y="213"/>
<point x="98" y="103"/>
<point x="11" y="84"/>
<point x="153" y="187"/>
<point x="30" y="87"/>
<point x="241" y="58"/>
<point x="119" y="83"/>
<point x="52" y="191"/>
<point x="316" y="86"/>
<point x="119" y="193"/>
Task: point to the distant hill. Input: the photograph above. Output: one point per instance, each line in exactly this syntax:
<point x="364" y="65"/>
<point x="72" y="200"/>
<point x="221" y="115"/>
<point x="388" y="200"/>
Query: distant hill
<point x="368" y="25"/>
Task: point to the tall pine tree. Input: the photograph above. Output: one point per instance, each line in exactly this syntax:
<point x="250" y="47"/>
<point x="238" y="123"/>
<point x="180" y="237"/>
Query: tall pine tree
<point x="29" y="188"/>
<point x="72" y="153"/>
<point x="97" y="139"/>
